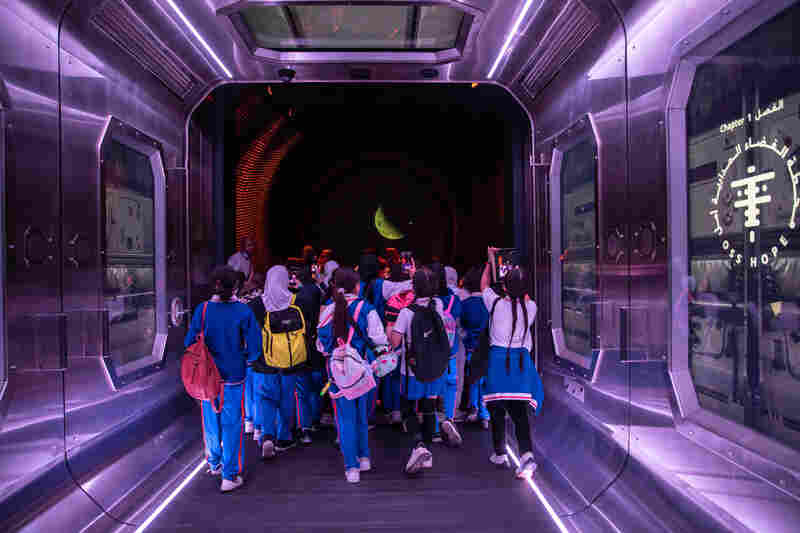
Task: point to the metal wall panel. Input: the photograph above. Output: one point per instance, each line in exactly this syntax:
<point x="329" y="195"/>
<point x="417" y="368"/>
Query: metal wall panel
<point x="97" y="86"/>
<point x="202" y="234"/>
<point x="3" y="357"/>
<point x="54" y="243"/>
<point x="31" y="437"/>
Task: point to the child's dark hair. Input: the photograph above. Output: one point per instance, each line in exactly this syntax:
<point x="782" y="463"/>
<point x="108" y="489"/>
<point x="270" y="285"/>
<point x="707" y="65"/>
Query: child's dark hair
<point x="441" y="279"/>
<point x="345" y="280"/>
<point x="224" y="281"/>
<point x="516" y="284"/>
<point x="396" y="272"/>
<point x="425" y="283"/>
<point x="472" y="280"/>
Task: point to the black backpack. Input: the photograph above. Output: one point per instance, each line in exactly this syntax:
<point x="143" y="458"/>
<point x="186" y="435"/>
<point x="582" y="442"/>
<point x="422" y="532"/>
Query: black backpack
<point x="430" y="349"/>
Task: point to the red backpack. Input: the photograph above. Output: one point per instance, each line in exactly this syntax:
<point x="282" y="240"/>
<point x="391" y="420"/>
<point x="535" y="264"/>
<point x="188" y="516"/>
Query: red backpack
<point x="396" y="303"/>
<point x="198" y="370"/>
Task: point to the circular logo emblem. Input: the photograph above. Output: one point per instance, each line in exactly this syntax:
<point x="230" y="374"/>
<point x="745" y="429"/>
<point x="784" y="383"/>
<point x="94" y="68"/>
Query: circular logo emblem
<point x="752" y="193"/>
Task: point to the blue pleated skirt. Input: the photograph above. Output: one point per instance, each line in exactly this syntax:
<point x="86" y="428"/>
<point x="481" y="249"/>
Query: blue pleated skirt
<point x="512" y="383"/>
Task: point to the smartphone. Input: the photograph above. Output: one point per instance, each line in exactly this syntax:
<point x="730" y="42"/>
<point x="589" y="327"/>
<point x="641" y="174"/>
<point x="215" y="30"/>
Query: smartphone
<point x="406" y="258"/>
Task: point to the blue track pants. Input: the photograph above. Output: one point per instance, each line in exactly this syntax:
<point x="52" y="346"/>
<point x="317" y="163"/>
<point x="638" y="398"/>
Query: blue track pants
<point x="351" y="421"/>
<point x="224" y="431"/>
<point x="309" y="403"/>
<point x="275" y="394"/>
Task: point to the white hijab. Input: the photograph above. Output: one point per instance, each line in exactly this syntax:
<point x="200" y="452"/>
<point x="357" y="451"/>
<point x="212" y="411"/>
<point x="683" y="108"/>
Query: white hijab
<point x="276" y="295"/>
<point x="451" y="277"/>
<point x="328" y="270"/>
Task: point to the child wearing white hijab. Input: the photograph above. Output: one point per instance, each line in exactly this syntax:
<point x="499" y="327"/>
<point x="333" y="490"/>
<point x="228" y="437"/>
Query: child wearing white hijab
<point x="327" y="272"/>
<point x="274" y="388"/>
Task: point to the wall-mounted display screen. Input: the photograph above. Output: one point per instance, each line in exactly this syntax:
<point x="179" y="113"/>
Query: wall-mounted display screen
<point x="129" y="269"/>
<point x="744" y="243"/>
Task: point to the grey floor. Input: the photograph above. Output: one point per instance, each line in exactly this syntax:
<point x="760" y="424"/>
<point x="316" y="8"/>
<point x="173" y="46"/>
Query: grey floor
<point x="305" y="490"/>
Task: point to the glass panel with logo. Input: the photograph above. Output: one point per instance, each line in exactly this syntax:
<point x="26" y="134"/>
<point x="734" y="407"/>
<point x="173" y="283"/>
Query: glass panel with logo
<point x="129" y="280"/>
<point x="744" y="210"/>
<point x="579" y="255"/>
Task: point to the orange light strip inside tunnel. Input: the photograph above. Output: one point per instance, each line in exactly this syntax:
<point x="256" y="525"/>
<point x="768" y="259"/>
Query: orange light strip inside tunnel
<point x="254" y="176"/>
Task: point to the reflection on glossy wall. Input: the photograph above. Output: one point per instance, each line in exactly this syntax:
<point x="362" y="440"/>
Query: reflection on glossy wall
<point x="129" y="288"/>
<point x="579" y="254"/>
<point x="744" y="130"/>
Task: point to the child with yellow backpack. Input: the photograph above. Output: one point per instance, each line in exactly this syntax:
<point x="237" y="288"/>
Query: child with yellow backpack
<point x="285" y="358"/>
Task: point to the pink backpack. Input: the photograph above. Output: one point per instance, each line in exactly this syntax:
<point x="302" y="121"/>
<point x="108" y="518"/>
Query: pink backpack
<point x="450" y="325"/>
<point x="348" y="370"/>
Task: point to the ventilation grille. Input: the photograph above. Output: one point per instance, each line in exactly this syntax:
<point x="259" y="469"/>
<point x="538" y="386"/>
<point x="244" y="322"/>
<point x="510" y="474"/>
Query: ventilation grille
<point x="118" y="21"/>
<point x="574" y="23"/>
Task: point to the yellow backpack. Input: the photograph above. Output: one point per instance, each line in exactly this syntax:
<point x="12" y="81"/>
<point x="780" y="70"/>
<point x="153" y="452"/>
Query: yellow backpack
<point x="284" y="338"/>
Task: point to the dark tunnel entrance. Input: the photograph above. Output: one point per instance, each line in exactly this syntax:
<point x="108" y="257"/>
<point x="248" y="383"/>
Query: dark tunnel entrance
<point x="428" y="168"/>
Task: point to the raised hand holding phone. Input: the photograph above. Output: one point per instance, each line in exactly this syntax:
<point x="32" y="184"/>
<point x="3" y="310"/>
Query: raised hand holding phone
<point x="412" y="269"/>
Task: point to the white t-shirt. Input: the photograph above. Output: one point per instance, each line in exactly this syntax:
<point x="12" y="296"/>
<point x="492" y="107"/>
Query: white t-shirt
<point x="502" y="320"/>
<point x="403" y="327"/>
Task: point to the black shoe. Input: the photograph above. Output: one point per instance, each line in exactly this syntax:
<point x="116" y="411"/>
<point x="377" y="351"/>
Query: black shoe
<point x="284" y="445"/>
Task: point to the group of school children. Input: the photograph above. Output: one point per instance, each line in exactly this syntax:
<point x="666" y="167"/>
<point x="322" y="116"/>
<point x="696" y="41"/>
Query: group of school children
<point x="282" y="355"/>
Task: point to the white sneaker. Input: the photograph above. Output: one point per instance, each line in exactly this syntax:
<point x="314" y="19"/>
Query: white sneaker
<point x="248" y="426"/>
<point x="257" y="434"/>
<point x="364" y="464"/>
<point x="419" y="456"/>
<point x="228" y="485"/>
<point x="485" y="424"/>
<point x="526" y="466"/>
<point x="268" y="450"/>
<point x="453" y="436"/>
<point x="499" y="460"/>
<point x="353" y="475"/>
<point x="214" y="471"/>
<point x="305" y="438"/>
<point x="396" y="417"/>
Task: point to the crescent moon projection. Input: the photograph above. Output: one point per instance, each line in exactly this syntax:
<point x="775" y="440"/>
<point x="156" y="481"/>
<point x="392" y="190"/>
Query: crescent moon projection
<point x="385" y="227"/>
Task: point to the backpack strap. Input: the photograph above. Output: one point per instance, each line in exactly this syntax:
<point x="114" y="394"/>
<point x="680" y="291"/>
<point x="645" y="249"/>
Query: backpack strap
<point x="355" y="320"/>
<point x="300" y="312"/>
<point x="203" y="321"/>
<point x="354" y="325"/>
<point x="269" y="333"/>
<point x="450" y="305"/>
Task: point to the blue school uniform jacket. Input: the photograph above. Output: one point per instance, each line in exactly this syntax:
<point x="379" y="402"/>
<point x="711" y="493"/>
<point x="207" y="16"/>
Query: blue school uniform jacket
<point x="474" y="317"/>
<point x="377" y="295"/>
<point x="232" y="334"/>
<point x="325" y="330"/>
